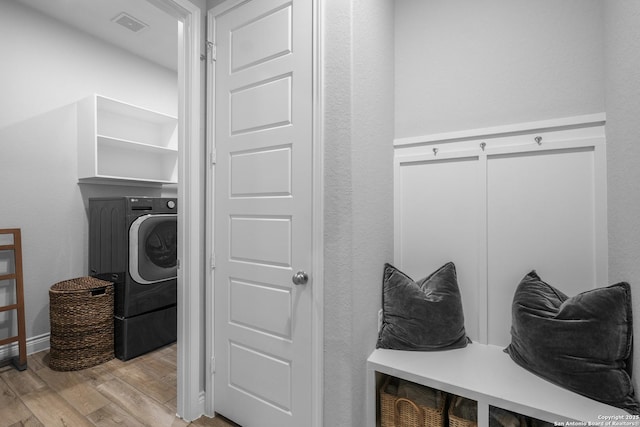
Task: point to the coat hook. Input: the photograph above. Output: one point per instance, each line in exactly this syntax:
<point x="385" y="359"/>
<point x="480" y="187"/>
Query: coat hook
<point x="538" y="140"/>
<point x="435" y="151"/>
<point x="483" y="145"/>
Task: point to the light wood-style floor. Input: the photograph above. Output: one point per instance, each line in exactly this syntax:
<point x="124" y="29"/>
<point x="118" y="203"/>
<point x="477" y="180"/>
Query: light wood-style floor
<point x="138" y="392"/>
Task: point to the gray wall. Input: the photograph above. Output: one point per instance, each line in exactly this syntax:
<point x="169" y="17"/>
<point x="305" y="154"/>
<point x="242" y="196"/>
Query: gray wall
<point x="622" y="84"/>
<point x="467" y="64"/>
<point x="358" y="223"/>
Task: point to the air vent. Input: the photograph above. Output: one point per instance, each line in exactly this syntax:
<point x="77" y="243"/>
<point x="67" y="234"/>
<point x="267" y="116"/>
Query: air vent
<point x="129" y="22"/>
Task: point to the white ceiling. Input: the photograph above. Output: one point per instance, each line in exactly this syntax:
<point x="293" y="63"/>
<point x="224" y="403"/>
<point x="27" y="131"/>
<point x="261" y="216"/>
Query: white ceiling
<point x="158" y="42"/>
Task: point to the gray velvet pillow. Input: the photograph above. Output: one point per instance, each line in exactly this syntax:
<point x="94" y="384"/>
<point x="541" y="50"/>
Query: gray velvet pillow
<point x="583" y="343"/>
<point x="425" y="315"/>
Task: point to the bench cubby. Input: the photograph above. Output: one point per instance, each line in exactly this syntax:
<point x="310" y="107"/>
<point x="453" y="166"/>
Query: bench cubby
<point x="486" y="374"/>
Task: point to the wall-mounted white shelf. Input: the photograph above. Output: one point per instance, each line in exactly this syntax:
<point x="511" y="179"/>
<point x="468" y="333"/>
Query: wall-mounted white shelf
<point x="119" y="143"/>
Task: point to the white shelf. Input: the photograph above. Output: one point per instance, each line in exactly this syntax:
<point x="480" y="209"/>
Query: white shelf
<point x="109" y="141"/>
<point x="486" y="374"/>
<point x="119" y="143"/>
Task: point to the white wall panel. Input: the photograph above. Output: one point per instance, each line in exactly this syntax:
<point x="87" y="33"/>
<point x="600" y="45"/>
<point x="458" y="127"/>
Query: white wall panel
<point x="500" y="206"/>
<point x="540" y="216"/>
<point x="437" y="222"/>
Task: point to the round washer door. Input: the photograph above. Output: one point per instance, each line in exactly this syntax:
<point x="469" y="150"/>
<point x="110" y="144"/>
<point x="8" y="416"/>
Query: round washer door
<point x="153" y="248"/>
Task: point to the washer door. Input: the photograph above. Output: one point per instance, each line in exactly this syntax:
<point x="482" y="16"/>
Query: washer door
<point x="153" y="248"/>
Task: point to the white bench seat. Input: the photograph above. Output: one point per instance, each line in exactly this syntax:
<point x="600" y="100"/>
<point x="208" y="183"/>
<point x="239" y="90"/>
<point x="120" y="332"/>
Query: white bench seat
<point x="486" y="374"/>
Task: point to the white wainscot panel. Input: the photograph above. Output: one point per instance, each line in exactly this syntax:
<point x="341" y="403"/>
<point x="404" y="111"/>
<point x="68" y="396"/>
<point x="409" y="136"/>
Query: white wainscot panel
<point x="261" y="173"/>
<point x="249" y="46"/>
<point x="260" y="376"/>
<point x="541" y="215"/>
<point x="262" y="106"/>
<point x="438" y="222"/>
<point x="273" y="247"/>
<point x="261" y="307"/>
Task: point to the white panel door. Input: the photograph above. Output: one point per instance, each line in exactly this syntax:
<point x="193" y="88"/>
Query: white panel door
<point x="262" y="213"/>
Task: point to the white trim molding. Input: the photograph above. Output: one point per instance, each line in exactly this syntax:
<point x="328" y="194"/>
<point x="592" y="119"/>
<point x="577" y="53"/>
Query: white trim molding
<point x="191" y="207"/>
<point x="209" y="397"/>
<point x="317" y="341"/>
<point x="564" y="123"/>
<point x="34" y="345"/>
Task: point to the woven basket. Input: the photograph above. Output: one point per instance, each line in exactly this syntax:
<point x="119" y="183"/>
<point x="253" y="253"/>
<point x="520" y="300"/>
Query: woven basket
<point x="403" y="412"/>
<point x="463" y="412"/>
<point x="81" y="314"/>
<point x="499" y="417"/>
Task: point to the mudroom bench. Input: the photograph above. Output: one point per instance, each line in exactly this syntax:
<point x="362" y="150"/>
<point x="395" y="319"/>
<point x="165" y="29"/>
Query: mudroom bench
<point x="486" y="374"/>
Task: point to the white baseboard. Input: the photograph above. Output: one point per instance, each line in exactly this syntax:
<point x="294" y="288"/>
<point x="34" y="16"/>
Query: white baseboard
<point x="34" y="345"/>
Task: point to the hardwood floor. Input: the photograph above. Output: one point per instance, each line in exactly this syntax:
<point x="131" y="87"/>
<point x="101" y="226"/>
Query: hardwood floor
<point x="138" y="392"/>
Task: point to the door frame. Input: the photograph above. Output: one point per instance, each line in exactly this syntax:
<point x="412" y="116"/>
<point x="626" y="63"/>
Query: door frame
<point x="190" y="404"/>
<point x="317" y="272"/>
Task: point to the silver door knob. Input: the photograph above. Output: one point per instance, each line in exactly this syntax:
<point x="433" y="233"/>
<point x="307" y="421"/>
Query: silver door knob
<point x="300" y="278"/>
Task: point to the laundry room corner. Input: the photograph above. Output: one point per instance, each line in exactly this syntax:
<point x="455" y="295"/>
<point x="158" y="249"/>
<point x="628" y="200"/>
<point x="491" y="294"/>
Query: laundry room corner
<point x="39" y="139"/>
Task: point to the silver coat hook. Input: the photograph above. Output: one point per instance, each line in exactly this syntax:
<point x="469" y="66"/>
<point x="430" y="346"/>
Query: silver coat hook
<point x="483" y="145"/>
<point x="435" y="151"/>
<point x="538" y="140"/>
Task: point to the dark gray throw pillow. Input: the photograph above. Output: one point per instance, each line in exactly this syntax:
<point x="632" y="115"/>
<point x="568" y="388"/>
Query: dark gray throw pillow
<point x="425" y="315"/>
<point x="583" y="343"/>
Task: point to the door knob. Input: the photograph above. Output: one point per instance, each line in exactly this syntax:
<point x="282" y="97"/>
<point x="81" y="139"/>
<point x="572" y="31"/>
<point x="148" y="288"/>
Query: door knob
<point x="300" y="278"/>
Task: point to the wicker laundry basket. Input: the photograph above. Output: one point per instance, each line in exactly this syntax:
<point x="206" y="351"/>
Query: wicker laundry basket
<point x="422" y="407"/>
<point x="81" y="314"/>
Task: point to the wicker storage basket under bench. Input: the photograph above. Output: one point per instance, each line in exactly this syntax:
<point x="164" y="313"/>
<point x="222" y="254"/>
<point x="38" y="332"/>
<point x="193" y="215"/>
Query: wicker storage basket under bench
<point x="405" y="404"/>
<point x="81" y="314"/>
<point x="462" y="412"/>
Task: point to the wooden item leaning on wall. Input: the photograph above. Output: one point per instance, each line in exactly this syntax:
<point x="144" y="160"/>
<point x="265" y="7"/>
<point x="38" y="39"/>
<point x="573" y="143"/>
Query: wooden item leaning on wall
<point x="20" y="361"/>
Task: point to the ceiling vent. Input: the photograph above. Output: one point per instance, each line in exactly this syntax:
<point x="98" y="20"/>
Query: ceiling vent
<point x="129" y="22"/>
